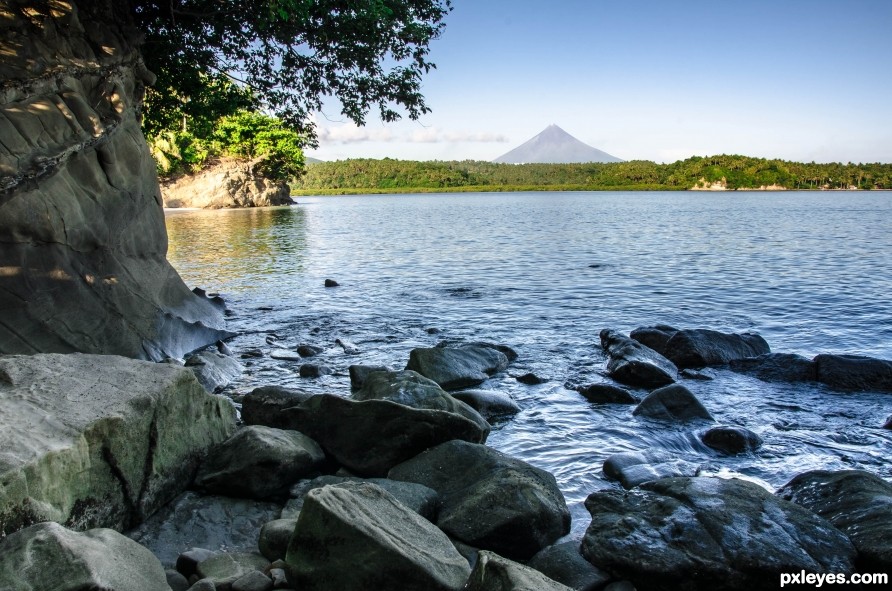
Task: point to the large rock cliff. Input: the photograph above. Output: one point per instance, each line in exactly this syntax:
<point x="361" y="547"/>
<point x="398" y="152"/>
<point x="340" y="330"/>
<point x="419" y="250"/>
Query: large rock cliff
<point x="82" y="238"/>
<point x="226" y="183"/>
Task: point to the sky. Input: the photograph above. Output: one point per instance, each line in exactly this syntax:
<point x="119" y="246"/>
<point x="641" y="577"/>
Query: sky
<point x="660" y="80"/>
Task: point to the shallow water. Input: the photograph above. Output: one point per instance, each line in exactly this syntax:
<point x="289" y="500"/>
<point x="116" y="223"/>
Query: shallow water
<point x="544" y="273"/>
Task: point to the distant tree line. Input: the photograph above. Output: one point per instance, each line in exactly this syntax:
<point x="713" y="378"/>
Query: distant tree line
<point x="736" y="172"/>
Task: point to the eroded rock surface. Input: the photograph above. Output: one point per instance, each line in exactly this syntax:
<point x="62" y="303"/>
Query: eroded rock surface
<point x="226" y="183"/>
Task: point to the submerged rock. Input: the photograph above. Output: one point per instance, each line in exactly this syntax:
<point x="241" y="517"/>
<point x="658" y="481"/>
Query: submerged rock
<point x="607" y="394"/>
<point x="857" y="502"/>
<point x="732" y="440"/>
<point x="854" y="373"/>
<point x="454" y="368"/>
<point x="356" y="536"/>
<point x="633" y="364"/>
<point x="263" y="405"/>
<point x="495" y="573"/>
<point x="699" y="533"/>
<point x="777" y="367"/>
<point x="632" y="468"/>
<point x="490" y="500"/>
<point x="672" y="403"/>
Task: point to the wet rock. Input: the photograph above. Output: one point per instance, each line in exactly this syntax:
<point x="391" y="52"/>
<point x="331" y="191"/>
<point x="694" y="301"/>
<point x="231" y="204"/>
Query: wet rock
<point x="732" y="440"/>
<point x="633" y="468"/>
<point x="369" y="437"/>
<point x="691" y="374"/>
<point x="213" y="370"/>
<point x="654" y="337"/>
<point x="380" y="544"/>
<point x="633" y="364"/>
<point x="701" y="533"/>
<point x="312" y="370"/>
<point x="253" y="581"/>
<point x="226" y="568"/>
<point x="209" y="522"/>
<point x="702" y="347"/>
<point x="489" y="403"/>
<point x="607" y="394"/>
<point x="777" y="367"/>
<point x="274" y="538"/>
<point x="252" y="354"/>
<point x="99" y="440"/>
<point x="510" y="353"/>
<point x="348" y="347"/>
<point x="285" y="355"/>
<point x="423" y="500"/>
<point x="495" y="573"/>
<point x="854" y="373"/>
<point x="432" y="330"/>
<point x="563" y="563"/>
<point x="309" y="350"/>
<point x="530" y="379"/>
<point x="888" y="423"/>
<point x="672" y="403"/>
<point x="49" y="556"/>
<point x="260" y="463"/>
<point x="263" y="405"/>
<point x="331" y="283"/>
<point x="359" y="373"/>
<point x="490" y="500"/>
<point x="857" y="502"/>
<point x="454" y="368"/>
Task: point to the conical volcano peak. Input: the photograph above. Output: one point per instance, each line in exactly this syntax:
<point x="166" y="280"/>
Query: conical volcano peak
<point x="555" y="146"/>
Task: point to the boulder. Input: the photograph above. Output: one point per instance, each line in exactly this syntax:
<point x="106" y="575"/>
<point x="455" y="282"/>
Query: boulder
<point x="263" y="405"/>
<point x="777" y="367"/>
<point x="187" y="562"/>
<point x="454" y="368"/>
<point x="208" y="523"/>
<point x="99" y="440"/>
<point x="83" y="261"/>
<point x="854" y="373"/>
<point x="672" y="403"/>
<point x="633" y="364"/>
<point x="701" y="533"/>
<point x="309" y="350"/>
<point x="423" y="500"/>
<point x="563" y="563"/>
<point x="369" y="437"/>
<point x="314" y="370"/>
<point x="632" y="468"/>
<point x="253" y="581"/>
<point x="490" y="500"/>
<point x="275" y="537"/>
<point x="490" y="404"/>
<point x="48" y="556"/>
<point x="858" y="503"/>
<point x="510" y="353"/>
<point x="214" y="370"/>
<point x="229" y="182"/>
<point x="607" y="394"/>
<point x="495" y="573"/>
<point x="226" y="568"/>
<point x="732" y="440"/>
<point x="654" y="337"/>
<point x="701" y="347"/>
<point x="357" y="536"/>
<point x="359" y="373"/>
<point x="259" y="463"/>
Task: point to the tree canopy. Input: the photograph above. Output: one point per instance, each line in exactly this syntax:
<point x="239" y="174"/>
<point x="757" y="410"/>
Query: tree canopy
<point x="286" y="56"/>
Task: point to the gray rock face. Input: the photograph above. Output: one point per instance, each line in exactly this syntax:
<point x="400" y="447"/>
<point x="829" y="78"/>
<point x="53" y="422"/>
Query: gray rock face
<point x="732" y="440"/>
<point x="607" y="394"/>
<point x="454" y="368"/>
<point x="490" y="500"/>
<point x="48" y="556"/>
<point x="423" y="500"/>
<point x="702" y="347"/>
<point x="700" y="533"/>
<point x="633" y="364"/>
<point x="357" y="536"/>
<point x="262" y="406"/>
<point x="259" y="463"/>
<point x="857" y="502"/>
<point x="214" y="370"/>
<point x="563" y="563"/>
<point x="489" y="403"/>
<point x="84" y="242"/>
<point x="854" y="373"/>
<point x="777" y="367"/>
<point x="228" y="183"/>
<point x="634" y="467"/>
<point x="369" y="437"/>
<point x="672" y="403"/>
<point x="98" y="440"/>
<point x="494" y="573"/>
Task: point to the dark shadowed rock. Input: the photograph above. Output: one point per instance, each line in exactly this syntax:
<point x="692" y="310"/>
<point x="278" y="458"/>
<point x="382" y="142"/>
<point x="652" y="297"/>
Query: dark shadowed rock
<point x="369" y="437"/>
<point x="454" y="368"/>
<point x="331" y="283"/>
<point x="654" y="337"/>
<point x="309" y="350"/>
<point x="632" y="468"/>
<point x="262" y="406"/>
<point x="854" y="373"/>
<point x="777" y="367"/>
<point x="314" y="370"/>
<point x="530" y="379"/>
<point x="732" y="440"/>
<point x="701" y="347"/>
<point x="275" y="537"/>
<point x="489" y="403"/>
<point x="214" y="370"/>
<point x="259" y="462"/>
<point x="607" y="394"/>
<point x="633" y="364"/>
<point x="563" y="563"/>
<point x="47" y="556"/>
<point x="378" y="543"/>
<point x="709" y="533"/>
<point x="672" y="403"/>
<point x="857" y="502"/>
<point x="490" y="500"/>
<point x="359" y="373"/>
<point x="888" y="423"/>
<point x="176" y="581"/>
<point x="187" y="562"/>
<point x="495" y="573"/>
<point x="423" y="500"/>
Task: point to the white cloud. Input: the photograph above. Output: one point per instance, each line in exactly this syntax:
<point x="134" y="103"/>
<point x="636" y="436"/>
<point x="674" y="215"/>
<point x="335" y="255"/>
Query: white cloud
<point x="349" y="133"/>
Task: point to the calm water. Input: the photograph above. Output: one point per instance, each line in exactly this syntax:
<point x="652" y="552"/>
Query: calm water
<point x="544" y="273"/>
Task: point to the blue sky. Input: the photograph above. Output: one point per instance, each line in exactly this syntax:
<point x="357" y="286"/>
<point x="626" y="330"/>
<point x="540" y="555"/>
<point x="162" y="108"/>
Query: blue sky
<point x="655" y="80"/>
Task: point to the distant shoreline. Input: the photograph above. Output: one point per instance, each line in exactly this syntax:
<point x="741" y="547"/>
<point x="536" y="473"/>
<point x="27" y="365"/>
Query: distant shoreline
<point x="546" y="188"/>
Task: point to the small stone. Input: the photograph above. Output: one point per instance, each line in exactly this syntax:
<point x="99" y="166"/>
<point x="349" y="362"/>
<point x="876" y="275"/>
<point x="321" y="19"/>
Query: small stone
<point x="530" y="379"/>
<point x="607" y="394"/>
<point x="331" y="283"/>
<point x="308" y="350"/>
<point x="432" y="330"/>
<point x="732" y="440"/>
<point x="311" y="370"/>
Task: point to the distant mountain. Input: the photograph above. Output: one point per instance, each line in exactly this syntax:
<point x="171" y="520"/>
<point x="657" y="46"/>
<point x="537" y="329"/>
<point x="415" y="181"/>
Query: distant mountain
<point x="311" y="160"/>
<point x="555" y="146"/>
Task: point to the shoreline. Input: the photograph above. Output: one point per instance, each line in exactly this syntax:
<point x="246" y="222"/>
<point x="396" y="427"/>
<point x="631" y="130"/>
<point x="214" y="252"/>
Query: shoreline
<point x="295" y="193"/>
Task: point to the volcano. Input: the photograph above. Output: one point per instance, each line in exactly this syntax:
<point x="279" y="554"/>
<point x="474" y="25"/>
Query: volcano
<point x="555" y="146"/>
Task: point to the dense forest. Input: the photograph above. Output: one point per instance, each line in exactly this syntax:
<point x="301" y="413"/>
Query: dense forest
<point x="734" y="172"/>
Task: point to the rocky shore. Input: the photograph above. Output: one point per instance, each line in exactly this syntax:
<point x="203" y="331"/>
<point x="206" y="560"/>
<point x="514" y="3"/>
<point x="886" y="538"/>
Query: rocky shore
<point x="392" y="485"/>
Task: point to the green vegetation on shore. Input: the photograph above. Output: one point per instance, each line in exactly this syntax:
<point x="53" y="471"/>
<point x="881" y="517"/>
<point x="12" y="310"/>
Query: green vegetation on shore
<point x="736" y="172"/>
